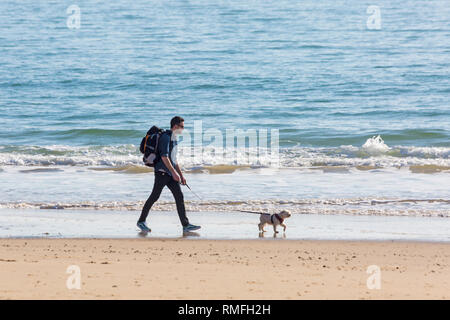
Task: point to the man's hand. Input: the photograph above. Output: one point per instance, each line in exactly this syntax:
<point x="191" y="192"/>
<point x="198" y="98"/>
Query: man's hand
<point x="182" y="179"/>
<point x="175" y="173"/>
<point x="176" y="176"/>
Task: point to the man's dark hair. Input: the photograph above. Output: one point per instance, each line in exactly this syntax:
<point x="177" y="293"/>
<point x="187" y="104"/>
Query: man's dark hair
<point x="176" y="120"/>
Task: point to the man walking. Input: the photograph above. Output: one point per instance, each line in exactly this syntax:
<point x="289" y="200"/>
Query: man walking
<point x="168" y="173"/>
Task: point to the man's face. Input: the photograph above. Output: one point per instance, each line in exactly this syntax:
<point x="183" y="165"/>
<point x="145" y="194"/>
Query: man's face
<point x="179" y="128"/>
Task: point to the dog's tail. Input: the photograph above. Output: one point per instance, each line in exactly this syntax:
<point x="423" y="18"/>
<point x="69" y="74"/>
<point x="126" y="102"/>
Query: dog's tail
<point x="255" y="212"/>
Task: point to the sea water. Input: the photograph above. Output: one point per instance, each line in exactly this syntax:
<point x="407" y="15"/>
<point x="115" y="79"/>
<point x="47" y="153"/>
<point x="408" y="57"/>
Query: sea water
<point x="362" y="114"/>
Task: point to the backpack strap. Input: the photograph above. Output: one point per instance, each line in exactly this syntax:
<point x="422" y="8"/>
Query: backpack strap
<point x="145" y="144"/>
<point x="157" y="142"/>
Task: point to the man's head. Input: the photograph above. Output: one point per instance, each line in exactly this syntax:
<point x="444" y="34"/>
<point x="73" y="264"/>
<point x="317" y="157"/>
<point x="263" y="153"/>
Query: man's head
<point x="177" y="124"/>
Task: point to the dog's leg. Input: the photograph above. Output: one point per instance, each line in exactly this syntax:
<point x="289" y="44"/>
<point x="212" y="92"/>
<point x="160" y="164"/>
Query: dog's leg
<point x="284" y="227"/>
<point x="275" y="228"/>
<point x="261" y="227"/>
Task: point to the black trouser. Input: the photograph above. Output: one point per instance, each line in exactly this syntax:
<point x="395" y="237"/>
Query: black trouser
<point x="163" y="179"/>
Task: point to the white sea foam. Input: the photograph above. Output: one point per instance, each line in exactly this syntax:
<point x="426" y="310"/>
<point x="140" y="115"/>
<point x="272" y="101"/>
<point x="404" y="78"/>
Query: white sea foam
<point x="374" y="152"/>
<point x="346" y="206"/>
<point x="375" y="146"/>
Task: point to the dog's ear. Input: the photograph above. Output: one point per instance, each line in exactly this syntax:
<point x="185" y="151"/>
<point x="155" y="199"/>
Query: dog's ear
<point x="285" y="213"/>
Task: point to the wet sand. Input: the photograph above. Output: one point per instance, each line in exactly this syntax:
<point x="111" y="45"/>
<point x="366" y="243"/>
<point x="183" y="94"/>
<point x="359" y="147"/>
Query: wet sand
<point x="48" y="223"/>
<point x="150" y="268"/>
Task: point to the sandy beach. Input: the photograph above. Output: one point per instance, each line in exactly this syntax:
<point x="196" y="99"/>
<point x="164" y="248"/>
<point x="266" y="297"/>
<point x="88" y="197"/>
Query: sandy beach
<point x="336" y="113"/>
<point x="222" y="269"/>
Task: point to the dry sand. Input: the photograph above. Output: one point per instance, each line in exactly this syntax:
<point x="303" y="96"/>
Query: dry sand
<point x="222" y="269"/>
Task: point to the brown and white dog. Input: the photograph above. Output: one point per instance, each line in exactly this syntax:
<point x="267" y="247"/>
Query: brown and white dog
<point x="274" y="220"/>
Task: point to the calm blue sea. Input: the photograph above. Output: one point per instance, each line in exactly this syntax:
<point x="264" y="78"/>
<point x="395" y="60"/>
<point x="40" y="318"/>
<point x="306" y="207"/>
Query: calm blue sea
<point x="73" y="99"/>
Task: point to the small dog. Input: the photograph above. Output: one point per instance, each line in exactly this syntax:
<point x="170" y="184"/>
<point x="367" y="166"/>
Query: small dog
<point x="274" y="220"/>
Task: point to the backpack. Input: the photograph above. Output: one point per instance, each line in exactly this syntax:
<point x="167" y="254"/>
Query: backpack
<point x="149" y="146"/>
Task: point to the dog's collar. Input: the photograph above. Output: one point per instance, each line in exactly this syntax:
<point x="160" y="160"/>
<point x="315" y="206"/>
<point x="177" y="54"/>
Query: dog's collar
<point x="276" y="215"/>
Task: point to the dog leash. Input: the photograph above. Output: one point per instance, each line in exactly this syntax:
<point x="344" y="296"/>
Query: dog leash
<point x="193" y="192"/>
<point x="246" y="211"/>
<point x="255" y="212"/>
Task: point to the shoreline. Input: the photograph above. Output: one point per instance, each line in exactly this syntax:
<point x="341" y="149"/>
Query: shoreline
<point x="196" y="238"/>
<point x="104" y="224"/>
<point x="222" y="269"/>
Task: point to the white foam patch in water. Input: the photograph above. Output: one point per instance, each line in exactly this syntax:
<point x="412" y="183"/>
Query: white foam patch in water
<point x="374" y="152"/>
<point x="357" y="207"/>
<point x="375" y="146"/>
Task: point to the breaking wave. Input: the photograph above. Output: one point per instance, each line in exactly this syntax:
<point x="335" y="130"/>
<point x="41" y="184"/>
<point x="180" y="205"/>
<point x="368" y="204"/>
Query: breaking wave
<point x="374" y="153"/>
